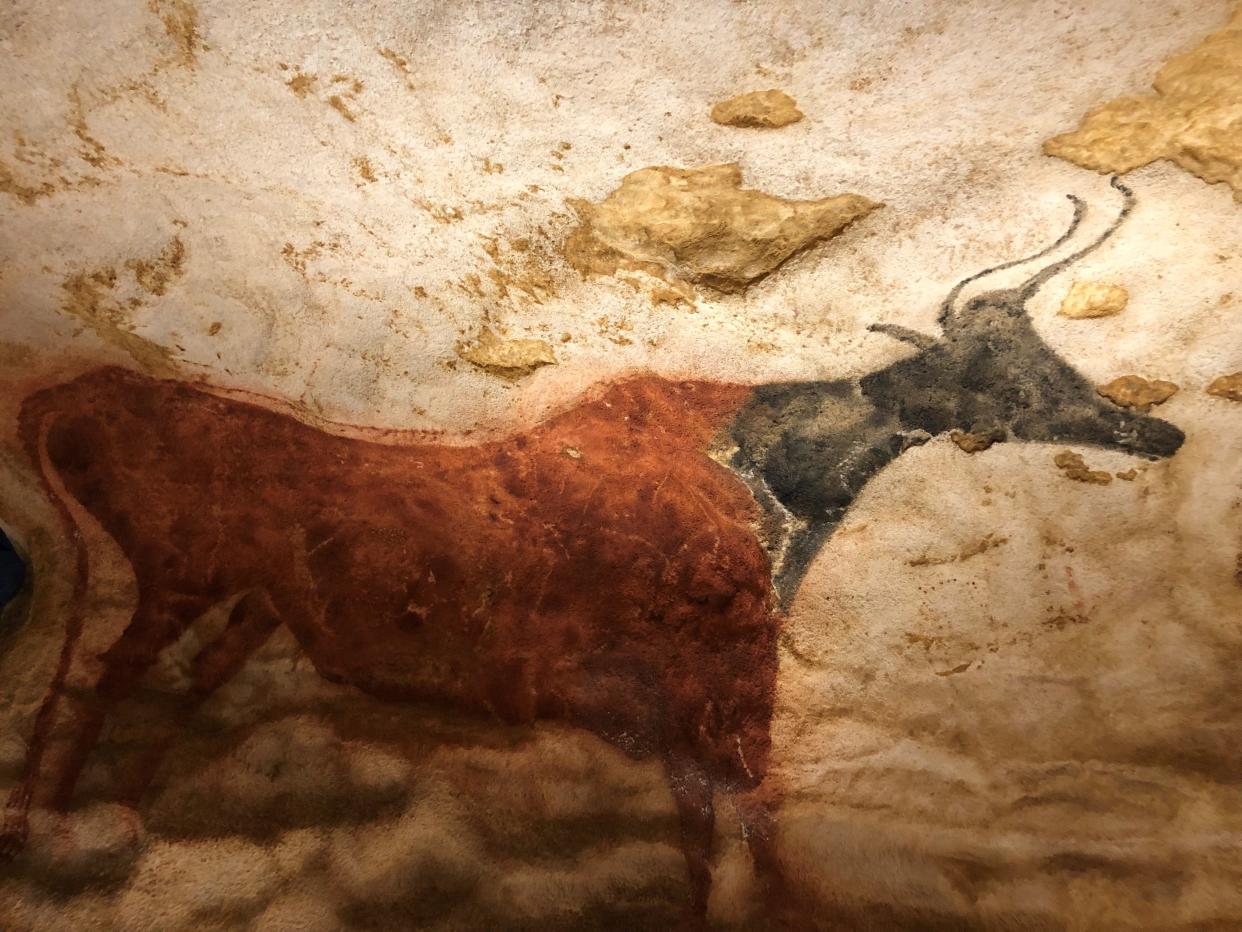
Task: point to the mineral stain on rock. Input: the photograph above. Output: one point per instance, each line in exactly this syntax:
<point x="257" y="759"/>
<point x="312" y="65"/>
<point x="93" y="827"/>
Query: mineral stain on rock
<point x="103" y="301"/>
<point x="180" y="19"/>
<point x="1093" y="299"/>
<point x="1192" y="119"/>
<point x="1134" y="391"/>
<point x="983" y="545"/>
<point x="1227" y="386"/>
<point x="699" y="225"/>
<point x="26" y="193"/>
<point x="757" y="110"/>
<point x="509" y="359"/>
<point x="155" y="274"/>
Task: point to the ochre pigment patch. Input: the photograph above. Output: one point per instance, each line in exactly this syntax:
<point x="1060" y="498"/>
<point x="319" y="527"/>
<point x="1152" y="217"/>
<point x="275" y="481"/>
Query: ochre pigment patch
<point x="400" y="63"/>
<point x="365" y="169"/>
<point x="1134" y="391"/>
<point x="520" y="271"/>
<point x="1192" y="119"/>
<point x="759" y="109"/>
<point x="699" y="225"/>
<point x="155" y="274"/>
<point x="1072" y="465"/>
<point x="1227" y="386"/>
<point x="983" y="545"/>
<point x="103" y="300"/>
<point x="1093" y="299"/>
<point x="180" y="19"/>
<point x="26" y="193"/>
<point x="509" y="359"/>
<point x="302" y="83"/>
<point x="976" y="441"/>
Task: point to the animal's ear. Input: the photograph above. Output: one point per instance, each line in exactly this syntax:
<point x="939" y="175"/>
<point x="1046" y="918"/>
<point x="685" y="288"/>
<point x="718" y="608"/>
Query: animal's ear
<point x="904" y="334"/>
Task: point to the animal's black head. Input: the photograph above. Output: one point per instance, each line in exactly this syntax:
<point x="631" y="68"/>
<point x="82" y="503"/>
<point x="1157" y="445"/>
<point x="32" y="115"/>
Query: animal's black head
<point x="991" y="373"/>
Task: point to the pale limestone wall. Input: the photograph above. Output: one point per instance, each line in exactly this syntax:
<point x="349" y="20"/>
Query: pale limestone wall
<point x="1042" y="732"/>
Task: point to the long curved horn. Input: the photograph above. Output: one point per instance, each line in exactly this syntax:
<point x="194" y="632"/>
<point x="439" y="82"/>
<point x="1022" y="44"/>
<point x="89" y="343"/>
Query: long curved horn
<point x="1036" y="281"/>
<point x="1080" y="210"/>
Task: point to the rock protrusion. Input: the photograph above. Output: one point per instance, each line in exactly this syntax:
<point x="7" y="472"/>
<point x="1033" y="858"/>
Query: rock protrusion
<point x="509" y="359"/>
<point x="757" y="110"/>
<point x="1192" y="119"/>
<point x="1134" y="391"/>
<point x="699" y="225"/>
<point x="1227" y="386"/>
<point x="1093" y="299"/>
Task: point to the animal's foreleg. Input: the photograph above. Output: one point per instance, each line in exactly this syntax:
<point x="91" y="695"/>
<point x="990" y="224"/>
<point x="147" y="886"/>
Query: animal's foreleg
<point x="693" y="793"/>
<point x="15" y="827"/>
<point x="251" y="622"/>
<point x="158" y="620"/>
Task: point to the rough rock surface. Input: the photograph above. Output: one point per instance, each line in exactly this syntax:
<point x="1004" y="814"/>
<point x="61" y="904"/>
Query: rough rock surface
<point x="1134" y="391"/>
<point x="1193" y="118"/>
<point x="758" y="109"/>
<point x="700" y="225"/>
<point x="1093" y="299"/>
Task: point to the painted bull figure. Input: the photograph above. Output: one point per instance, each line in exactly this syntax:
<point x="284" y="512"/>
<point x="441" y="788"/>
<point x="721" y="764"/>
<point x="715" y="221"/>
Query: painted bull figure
<point x="624" y="567"/>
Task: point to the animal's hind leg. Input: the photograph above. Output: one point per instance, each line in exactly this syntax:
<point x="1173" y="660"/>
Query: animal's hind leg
<point x="693" y="793"/>
<point x="251" y="622"/>
<point x="15" y="827"/>
<point x="757" y="812"/>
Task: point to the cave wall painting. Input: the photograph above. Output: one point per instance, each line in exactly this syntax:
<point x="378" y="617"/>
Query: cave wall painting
<point x="474" y="576"/>
<point x="671" y="588"/>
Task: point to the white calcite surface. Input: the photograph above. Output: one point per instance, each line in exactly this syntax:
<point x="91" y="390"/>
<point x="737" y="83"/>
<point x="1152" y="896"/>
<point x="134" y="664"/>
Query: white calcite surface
<point x="1006" y="700"/>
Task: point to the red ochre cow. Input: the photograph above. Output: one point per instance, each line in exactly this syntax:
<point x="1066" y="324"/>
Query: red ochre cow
<point x="600" y="569"/>
<point x="620" y="567"/>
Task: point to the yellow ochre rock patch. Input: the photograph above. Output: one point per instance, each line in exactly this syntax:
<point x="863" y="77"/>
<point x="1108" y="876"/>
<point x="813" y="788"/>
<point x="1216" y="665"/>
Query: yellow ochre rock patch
<point x="757" y="110"/>
<point x="509" y="359"/>
<point x="1193" y="119"/>
<point x="1227" y="386"/>
<point x="105" y="301"/>
<point x="1093" y="299"/>
<point x="976" y="441"/>
<point x="1134" y="391"/>
<point x="699" y="225"/>
<point x="1074" y="468"/>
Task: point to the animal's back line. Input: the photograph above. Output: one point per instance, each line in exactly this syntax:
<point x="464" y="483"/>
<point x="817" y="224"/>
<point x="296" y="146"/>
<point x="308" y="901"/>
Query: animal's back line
<point x="286" y="408"/>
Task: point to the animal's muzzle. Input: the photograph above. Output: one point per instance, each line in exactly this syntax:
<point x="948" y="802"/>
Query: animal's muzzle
<point x="1153" y="438"/>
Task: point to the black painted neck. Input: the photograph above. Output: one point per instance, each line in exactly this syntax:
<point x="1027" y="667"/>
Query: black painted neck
<point x="807" y="449"/>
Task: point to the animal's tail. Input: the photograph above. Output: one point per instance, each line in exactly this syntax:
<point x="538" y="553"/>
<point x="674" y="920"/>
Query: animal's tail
<point x="34" y="422"/>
